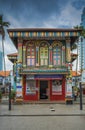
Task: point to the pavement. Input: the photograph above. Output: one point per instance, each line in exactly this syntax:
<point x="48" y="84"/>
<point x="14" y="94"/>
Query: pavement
<point x="32" y="109"/>
<point x="42" y="110"/>
<point x="42" y="116"/>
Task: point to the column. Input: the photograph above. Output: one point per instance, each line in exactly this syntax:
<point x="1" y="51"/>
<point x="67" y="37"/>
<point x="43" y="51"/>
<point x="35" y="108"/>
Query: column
<point x="20" y="42"/>
<point x="37" y="55"/>
<point x="68" y="51"/>
<point x="63" y="55"/>
<point x="50" y="56"/>
<point x="69" y="98"/>
<point x="24" y="56"/>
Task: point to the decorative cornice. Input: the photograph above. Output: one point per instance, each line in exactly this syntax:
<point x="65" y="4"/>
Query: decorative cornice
<point x="43" y="34"/>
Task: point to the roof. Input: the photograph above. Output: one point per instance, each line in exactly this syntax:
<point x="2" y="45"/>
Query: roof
<point x="12" y="57"/>
<point x="42" y="29"/>
<point x="4" y="73"/>
<point x="43" y="34"/>
<point x="74" y="73"/>
<point x="13" y="54"/>
<point x="73" y="56"/>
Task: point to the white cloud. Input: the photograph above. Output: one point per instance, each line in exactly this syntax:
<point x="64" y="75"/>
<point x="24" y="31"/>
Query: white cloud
<point x="69" y="16"/>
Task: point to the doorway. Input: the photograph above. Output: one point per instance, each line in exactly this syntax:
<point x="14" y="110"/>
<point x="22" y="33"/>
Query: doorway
<point x="44" y="89"/>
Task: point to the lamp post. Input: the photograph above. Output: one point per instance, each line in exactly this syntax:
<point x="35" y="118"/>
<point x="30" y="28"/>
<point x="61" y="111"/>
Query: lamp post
<point x="81" y="106"/>
<point x="10" y="95"/>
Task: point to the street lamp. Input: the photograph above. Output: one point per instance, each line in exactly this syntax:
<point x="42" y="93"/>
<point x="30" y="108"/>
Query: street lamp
<point x="81" y="107"/>
<point x="10" y="94"/>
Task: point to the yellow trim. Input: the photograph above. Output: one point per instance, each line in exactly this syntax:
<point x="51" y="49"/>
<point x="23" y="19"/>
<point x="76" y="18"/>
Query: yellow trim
<point x="19" y="34"/>
<point x="66" y="33"/>
<point x="10" y="34"/>
<point x="26" y="34"/>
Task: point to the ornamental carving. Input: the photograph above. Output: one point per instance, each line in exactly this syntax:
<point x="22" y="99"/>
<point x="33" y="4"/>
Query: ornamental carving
<point x="56" y="43"/>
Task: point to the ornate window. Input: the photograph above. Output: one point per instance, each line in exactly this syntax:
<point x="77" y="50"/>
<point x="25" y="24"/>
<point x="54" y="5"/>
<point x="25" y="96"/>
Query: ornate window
<point x="30" y="54"/>
<point x="44" y="54"/>
<point x="57" y="54"/>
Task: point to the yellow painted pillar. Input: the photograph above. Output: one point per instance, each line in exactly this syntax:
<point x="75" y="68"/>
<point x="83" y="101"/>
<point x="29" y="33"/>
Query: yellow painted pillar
<point x="20" y="42"/>
<point x="24" y="56"/>
<point x="68" y="51"/>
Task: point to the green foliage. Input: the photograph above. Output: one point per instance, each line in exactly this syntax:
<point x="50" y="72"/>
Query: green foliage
<point x="13" y="94"/>
<point x="82" y="28"/>
<point x="0" y="95"/>
<point x="2" y="25"/>
<point x="74" y="46"/>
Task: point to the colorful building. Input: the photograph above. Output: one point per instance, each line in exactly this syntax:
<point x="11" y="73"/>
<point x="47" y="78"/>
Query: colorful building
<point x="44" y="63"/>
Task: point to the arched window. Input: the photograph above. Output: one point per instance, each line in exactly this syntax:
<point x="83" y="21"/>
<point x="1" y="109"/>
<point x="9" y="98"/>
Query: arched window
<point x="43" y="54"/>
<point x="30" y="54"/>
<point x="57" y="54"/>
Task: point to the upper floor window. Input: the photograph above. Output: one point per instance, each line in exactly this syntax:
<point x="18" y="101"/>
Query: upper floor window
<point x="57" y="54"/>
<point x="30" y="54"/>
<point x="43" y="54"/>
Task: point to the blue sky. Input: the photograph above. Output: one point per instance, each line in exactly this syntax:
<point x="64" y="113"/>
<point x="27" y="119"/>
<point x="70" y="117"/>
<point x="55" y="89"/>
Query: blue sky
<point x="39" y="13"/>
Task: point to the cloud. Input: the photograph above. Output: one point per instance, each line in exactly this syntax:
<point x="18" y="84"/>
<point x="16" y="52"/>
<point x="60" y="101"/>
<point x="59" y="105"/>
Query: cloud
<point x="40" y="13"/>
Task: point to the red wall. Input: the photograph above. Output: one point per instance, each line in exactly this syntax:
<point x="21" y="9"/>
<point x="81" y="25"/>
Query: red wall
<point x="58" y="97"/>
<point x="35" y="97"/>
<point x="29" y="97"/>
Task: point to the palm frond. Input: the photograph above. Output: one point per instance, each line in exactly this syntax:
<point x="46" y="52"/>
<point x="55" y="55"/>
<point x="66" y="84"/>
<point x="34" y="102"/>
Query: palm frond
<point x="5" y="24"/>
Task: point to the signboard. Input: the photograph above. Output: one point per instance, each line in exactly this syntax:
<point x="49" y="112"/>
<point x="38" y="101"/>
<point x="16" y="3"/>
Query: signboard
<point x="30" y="87"/>
<point x="69" y="88"/>
<point x="30" y="77"/>
<point x="19" y="91"/>
<point x="56" y="87"/>
<point x="19" y="88"/>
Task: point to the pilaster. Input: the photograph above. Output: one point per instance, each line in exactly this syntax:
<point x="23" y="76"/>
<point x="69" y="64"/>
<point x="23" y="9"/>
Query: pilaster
<point x="50" y="56"/>
<point x="20" y="42"/>
<point x="24" y="56"/>
<point x="68" y="51"/>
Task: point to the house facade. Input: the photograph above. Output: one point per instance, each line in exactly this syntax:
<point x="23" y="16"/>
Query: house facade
<point x="43" y="66"/>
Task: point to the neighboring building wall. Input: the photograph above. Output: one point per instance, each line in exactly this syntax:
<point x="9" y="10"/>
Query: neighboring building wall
<point x="1" y="60"/>
<point x="75" y="81"/>
<point x="81" y="46"/>
<point x="83" y="18"/>
<point x="81" y="53"/>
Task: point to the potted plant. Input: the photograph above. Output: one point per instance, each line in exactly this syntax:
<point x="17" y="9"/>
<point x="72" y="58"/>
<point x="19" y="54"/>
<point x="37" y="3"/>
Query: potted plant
<point x="12" y="96"/>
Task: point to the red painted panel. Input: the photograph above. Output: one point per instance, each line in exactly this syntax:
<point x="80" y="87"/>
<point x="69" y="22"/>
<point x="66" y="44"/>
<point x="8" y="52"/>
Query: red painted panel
<point x="58" y="97"/>
<point x="29" y="97"/>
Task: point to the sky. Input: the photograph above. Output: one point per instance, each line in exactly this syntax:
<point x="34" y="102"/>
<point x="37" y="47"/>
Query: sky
<point x="39" y="13"/>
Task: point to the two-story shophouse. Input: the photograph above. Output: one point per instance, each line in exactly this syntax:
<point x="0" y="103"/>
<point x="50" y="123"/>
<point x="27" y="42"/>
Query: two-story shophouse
<point x="43" y="67"/>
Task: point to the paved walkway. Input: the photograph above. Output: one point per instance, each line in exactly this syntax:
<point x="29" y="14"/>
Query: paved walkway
<point x="41" y="110"/>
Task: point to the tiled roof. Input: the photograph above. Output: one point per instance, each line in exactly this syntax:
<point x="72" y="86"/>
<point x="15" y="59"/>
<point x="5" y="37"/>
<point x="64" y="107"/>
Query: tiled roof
<point x="4" y="73"/>
<point x="13" y="54"/>
<point x="43" y="29"/>
<point x="75" y="74"/>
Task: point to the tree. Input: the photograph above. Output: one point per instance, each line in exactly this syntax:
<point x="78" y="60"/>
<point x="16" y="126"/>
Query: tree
<point x="3" y="24"/>
<point x="82" y="28"/>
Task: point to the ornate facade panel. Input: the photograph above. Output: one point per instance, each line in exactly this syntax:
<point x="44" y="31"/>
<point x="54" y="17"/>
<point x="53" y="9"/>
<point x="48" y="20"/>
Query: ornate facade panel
<point x="24" y="56"/>
<point x="63" y="55"/>
<point x="20" y="50"/>
<point x="68" y="51"/>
